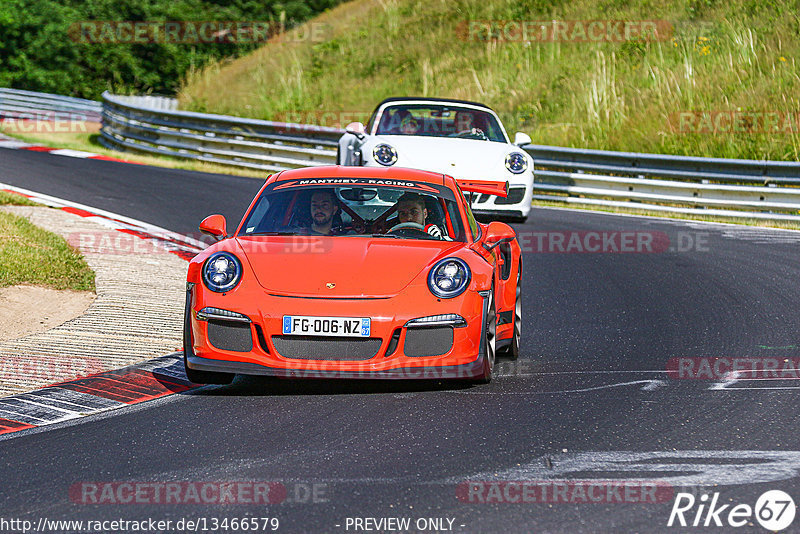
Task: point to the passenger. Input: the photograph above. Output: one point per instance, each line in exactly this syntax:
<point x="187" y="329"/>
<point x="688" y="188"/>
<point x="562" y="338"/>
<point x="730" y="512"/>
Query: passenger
<point x="323" y="207"/>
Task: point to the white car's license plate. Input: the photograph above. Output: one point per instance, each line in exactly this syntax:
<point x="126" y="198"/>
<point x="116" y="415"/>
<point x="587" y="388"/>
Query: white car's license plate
<point x="303" y="325"/>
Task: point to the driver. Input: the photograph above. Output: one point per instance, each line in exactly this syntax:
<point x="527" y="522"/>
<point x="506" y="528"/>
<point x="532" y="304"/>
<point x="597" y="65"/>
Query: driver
<point x="411" y="209"/>
<point x="464" y="121"/>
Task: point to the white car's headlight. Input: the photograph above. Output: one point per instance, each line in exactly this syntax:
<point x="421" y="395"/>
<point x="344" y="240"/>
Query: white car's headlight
<point x="516" y="163"/>
<point x="449" y="278"/>
<point x="221" y="272"/>
<point x="384" y="154"/>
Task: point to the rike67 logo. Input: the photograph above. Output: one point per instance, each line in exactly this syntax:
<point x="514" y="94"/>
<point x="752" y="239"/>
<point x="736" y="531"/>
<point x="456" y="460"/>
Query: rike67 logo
<point x="774" y="510"/>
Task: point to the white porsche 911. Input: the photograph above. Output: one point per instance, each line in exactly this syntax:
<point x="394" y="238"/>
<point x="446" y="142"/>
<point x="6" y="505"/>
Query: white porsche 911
<point x="464" y="140"/>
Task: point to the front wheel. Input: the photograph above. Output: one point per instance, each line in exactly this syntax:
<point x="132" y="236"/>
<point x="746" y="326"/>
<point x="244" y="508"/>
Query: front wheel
<point x="489" y="341"/>
<point x="511" y="351"/>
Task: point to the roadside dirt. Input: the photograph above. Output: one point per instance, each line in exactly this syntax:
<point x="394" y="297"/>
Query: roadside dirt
<point x="26" y="310"/>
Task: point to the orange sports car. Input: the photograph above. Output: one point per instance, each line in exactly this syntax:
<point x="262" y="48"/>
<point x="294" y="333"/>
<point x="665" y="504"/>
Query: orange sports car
<point x="354" y="272"/>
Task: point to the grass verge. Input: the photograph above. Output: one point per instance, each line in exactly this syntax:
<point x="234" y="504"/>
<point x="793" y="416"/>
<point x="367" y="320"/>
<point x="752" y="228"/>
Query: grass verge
<point x="31" y="255"/>
<point x="614" y="94"/>
<point x="12" y="199"/>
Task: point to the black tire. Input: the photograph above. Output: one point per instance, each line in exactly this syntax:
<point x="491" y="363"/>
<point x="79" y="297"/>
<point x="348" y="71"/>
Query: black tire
<point x="511" y="351"/>
<point x="195" y="376"/>
<point x="490" y="341"/>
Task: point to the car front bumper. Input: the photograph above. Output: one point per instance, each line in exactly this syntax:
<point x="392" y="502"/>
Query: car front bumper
<point x="441" y="372"/>
<point x="517" y="204"/>
<point x="262" y="349"/>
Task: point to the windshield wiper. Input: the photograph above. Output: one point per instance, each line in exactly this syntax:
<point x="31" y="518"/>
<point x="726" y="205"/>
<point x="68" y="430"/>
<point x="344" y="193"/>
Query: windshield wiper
<point x="376" y="235"/>
<point x="275" y="233"/>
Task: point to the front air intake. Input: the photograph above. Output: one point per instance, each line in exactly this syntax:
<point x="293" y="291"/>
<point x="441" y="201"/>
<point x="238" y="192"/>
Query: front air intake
<point x="434" y="341"/>
<point x="229" y="335"/>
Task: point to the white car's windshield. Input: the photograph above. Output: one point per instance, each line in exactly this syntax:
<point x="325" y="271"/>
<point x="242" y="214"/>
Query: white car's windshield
<point x="438" y="120"/>
<point x="422" y="211"/>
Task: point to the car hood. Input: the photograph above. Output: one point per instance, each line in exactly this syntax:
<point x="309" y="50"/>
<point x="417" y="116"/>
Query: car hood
<point x="358" y="267"/>
<point x="460" y="158"/>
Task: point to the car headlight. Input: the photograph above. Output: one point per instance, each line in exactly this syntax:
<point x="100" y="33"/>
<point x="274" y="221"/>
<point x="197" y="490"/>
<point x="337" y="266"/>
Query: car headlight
<point x="384" y="154"/>
<point x="222" y="271"/>
<point x="516" y="163"/>
<point x="449" y="278"/>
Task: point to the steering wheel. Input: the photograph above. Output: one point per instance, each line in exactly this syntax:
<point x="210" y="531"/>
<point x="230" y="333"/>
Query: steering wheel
<point x="474" y="132"/>
<point x="407" y="225"/>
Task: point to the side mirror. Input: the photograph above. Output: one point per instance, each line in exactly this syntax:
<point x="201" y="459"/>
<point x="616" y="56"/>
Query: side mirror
<point x="214" y="225"/>
<point x="356" y="128"/>
<point x="496" y="234"/>
<point x="522" y="139"/>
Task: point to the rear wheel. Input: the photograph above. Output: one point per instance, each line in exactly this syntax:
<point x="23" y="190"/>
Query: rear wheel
<point x="511" y="351"/>
<point x="489" y="341"/>
<point x="198" y="377"/>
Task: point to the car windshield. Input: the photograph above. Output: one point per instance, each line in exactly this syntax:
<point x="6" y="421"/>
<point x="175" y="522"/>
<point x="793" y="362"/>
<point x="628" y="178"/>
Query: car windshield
<point x="358" y="208"/>
<point x="435" y="120"/>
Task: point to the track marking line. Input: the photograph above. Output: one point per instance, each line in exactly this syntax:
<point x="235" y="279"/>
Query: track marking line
<point x="14" y="144"/>
<point x="537" y="373"/>
<point x="650" y="385"/>
<point x="664" y="219"/>
<point x="121" y="220"/>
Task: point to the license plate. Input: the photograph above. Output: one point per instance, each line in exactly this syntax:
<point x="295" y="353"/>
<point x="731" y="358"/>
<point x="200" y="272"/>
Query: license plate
<point x="303" y="325"/>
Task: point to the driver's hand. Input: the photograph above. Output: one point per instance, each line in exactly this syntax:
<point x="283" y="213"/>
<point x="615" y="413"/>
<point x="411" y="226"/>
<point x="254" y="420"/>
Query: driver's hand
<point x="434" y="230"/>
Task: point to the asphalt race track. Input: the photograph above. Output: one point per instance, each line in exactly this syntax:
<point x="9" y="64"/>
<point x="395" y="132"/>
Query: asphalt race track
<point x="177" y="199"/>
<point x="590" y="398"/>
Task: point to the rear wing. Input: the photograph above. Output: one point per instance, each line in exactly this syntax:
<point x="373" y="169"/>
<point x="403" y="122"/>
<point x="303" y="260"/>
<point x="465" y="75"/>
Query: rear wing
<point x="499" y="189"/>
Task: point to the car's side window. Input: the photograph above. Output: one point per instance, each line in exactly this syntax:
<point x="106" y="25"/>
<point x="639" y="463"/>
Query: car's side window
<point x="371" y="122"/>
<point x="473" y="225"/>
<point x="257" y="215"/>
<point x="454" y="218"/>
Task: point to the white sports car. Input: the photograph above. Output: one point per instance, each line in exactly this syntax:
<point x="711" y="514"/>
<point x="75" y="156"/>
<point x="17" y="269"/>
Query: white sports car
<point x="464" y="140"/>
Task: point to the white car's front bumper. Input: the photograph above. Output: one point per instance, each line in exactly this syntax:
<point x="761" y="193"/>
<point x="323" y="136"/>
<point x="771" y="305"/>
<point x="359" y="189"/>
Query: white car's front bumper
<point x="516" y="204"/>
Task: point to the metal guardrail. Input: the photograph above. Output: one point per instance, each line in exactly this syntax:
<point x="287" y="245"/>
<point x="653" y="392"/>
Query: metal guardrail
<point x="678" y="184"/>
<point x="28" y="105"/>
<point x="675" y="184"/>
<point x="130" y="123"/>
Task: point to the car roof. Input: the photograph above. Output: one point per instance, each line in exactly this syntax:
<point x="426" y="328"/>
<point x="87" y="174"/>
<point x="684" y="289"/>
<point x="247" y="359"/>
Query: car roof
<point x="432" y="100"/>
<point x="381" y="173"/>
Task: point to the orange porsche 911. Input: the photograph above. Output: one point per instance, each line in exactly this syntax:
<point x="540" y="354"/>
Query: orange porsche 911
<point x="355" y="272"/>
